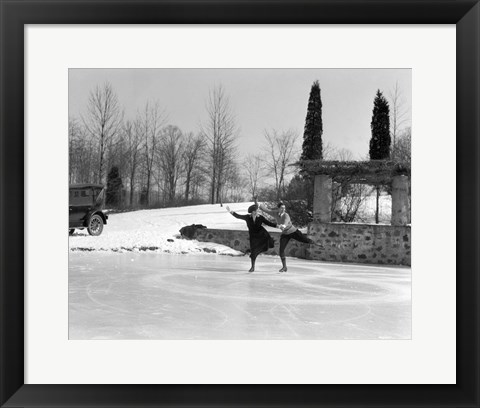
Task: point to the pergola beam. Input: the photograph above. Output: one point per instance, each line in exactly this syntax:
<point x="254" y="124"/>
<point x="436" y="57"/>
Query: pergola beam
<point x="373" y="172"/>
<point x="369" y="171"/>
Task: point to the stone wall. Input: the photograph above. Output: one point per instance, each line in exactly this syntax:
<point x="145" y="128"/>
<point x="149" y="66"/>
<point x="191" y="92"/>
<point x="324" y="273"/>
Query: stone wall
<point x="238" y="240"/>
<point x="352" y="243"/>
<point x="362" y="243"/>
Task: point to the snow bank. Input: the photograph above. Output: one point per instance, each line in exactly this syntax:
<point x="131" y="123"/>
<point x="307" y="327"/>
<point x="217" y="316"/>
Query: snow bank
<point x="158" y="230"/>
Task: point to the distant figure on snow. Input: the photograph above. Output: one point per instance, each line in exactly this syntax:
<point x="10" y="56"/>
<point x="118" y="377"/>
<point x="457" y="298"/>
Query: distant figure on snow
<point x="288" y="230"/>
<point x="260" y="239"/>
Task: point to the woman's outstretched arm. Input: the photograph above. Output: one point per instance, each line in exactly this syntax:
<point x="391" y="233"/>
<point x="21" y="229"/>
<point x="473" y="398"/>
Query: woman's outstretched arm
<point x="242" y="217"/>
<point x="269" y="223"/>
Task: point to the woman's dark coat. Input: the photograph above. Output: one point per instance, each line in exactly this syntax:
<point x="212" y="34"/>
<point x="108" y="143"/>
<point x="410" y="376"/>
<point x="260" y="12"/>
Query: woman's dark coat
<point x="260" y="239"/>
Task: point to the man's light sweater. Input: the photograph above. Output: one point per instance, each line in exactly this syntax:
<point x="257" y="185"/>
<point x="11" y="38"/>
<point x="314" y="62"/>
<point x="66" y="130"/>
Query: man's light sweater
<point x="281" y="219"/>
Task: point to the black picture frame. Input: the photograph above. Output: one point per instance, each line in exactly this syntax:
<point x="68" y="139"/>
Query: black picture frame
<point x="16" y="14"/>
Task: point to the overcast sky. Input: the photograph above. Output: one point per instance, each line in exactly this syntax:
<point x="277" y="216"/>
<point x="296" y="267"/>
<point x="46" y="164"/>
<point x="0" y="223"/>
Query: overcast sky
<point x="260" y="98"/>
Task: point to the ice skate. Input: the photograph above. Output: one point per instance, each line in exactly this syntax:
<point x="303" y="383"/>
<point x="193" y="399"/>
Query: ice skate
<point x="284" y="265"/>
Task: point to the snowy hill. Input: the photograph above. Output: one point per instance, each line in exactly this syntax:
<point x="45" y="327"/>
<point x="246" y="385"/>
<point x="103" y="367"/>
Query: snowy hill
<point x="158" y="230"/>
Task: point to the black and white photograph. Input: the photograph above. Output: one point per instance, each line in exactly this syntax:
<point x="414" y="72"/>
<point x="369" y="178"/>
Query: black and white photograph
<point x="239" y="204"/>
<point x="240" y="197"/>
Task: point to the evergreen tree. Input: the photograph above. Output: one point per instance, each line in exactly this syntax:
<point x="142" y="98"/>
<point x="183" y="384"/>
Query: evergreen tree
<point x="380" y="141"/>
<point x="312" y="135"/>
<point x="114" y="187"/>
<point x="312" y="148"/>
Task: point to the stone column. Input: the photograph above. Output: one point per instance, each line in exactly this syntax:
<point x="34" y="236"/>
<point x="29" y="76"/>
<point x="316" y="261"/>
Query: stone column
<point x="322" y="198"/>
<point x="400" y="200"/>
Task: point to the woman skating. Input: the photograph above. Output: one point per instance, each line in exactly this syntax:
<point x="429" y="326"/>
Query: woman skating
<point x="288" y="230"/>
<point x="260" y="239"/>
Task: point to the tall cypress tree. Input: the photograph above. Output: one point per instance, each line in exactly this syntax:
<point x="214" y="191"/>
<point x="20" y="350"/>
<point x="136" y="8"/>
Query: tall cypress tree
<point x="114" y="187"/>
<point x="380" y="140"/>
<point x="312" y="148"/>
<point x="312" y="135"/>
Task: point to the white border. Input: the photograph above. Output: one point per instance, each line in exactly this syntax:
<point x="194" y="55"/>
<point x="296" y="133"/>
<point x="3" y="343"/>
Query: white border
<point x="428" y="358"/>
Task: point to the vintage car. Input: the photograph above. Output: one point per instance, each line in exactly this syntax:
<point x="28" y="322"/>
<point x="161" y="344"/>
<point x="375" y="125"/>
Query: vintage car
<point x="85" y="208"/>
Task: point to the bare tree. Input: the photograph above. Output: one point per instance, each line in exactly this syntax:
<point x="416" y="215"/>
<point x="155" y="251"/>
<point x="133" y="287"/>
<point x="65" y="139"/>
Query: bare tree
<point x="220" y="131"/>
<point x="103" y="121"/>
<point x="73" y="138"/>
<point x="198" y="183"/>
<point x="192" y="152"/>
<point x="404" y="154"/>
<point x="228" y="169"/>
<point x="334" y="153"/>
<point x="347" y="199"/>
<point x="398" y="115"/>
<point x="235" y="184"/>
<point x="404" y="145"/>
<point x="328" y="151"/>
<point x="151" y="121"/>
<point x="253" y="166"/>
<point x="82" y="149"/>
<point x="280" y="149"/>
<point x="170" y="159"/>
<point x="343" y="154"/>
<point x="132" y="133"/>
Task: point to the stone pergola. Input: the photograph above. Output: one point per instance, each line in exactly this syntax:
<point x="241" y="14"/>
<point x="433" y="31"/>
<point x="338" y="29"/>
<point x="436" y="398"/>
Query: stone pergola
<point x="372" y="172"/>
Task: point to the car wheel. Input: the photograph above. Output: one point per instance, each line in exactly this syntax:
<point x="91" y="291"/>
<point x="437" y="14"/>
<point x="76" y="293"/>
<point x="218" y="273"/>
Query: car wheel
<point x="71" y="231"/>
<point x="95" y="225"/>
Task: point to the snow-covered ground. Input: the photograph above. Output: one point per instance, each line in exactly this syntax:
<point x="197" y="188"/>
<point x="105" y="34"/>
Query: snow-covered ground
<point x="158" y="230"/>
<point x="366" y="211"/>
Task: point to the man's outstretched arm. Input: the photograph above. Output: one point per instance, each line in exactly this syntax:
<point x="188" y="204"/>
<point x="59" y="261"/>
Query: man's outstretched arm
<point x="267" y="210"/>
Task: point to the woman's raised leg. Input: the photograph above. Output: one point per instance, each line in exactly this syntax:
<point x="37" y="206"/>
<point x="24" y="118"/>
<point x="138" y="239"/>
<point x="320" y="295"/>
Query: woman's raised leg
<point x="297" y="235"/>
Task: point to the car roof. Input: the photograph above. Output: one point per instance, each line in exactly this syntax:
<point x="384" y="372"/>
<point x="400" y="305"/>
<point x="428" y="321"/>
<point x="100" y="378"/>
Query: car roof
<point x="75" y="186"/>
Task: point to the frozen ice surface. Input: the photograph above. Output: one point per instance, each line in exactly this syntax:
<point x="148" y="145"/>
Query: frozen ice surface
<point x="161" y="296"/>
<point x="118" y="292"/>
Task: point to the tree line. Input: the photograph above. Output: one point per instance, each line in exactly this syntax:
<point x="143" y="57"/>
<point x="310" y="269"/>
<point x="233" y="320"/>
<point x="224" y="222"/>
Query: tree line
<point x="146" y="161"/>
<point x="157" y="163"/>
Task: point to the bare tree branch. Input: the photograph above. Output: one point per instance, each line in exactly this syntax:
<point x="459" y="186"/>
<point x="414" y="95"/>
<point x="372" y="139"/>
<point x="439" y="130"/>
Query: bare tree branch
<point x="103" y="121"/>
<point x="220" y="132"/>
<point x="280" y="149"/>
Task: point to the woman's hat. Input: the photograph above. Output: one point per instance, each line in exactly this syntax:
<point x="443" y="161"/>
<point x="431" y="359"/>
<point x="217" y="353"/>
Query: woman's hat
<point x="252" y="208"/>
